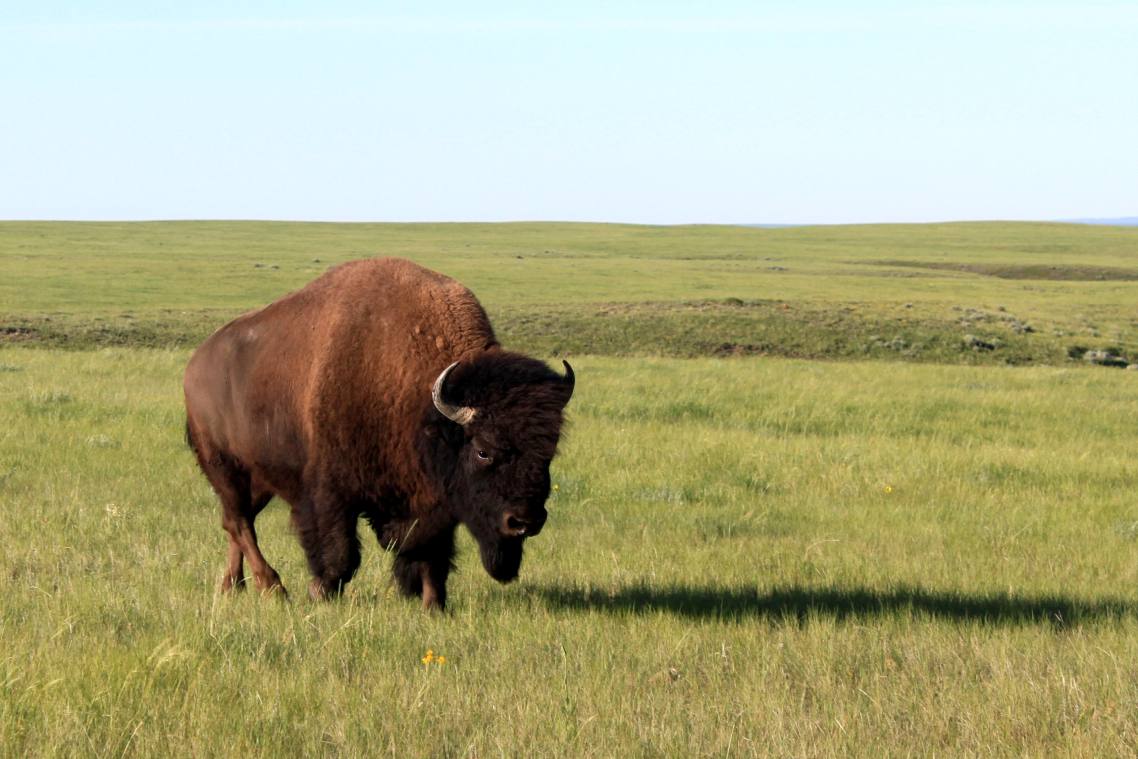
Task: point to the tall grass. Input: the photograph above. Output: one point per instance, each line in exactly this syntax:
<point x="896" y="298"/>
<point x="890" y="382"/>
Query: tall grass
<point x="744" y="557"/>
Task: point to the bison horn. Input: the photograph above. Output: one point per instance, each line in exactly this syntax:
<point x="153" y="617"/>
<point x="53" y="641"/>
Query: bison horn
<point x="569" y="380"/>
<point x="459" y="414"/>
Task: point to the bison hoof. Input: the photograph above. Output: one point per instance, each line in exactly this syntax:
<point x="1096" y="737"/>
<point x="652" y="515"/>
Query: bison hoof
<point x="432" y="602"/>
<point x="318" y="590"/>
<point x="271" y="585"/>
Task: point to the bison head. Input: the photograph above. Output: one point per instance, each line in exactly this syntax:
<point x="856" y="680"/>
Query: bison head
<point x="501" y="416"/>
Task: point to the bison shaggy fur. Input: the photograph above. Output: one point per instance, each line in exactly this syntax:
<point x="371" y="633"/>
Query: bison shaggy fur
<point x="376" y="391"/>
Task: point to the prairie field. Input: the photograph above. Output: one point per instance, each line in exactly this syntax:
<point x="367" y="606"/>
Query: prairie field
<point x="798" y="512"/>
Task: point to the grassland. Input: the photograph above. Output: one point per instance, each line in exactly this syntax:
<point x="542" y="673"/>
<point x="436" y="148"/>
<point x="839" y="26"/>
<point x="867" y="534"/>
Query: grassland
<point x="1037" y="292"/>
<point x="745" y="556"/>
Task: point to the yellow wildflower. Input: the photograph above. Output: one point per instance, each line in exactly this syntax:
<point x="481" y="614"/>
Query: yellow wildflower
<point x="442" y="660"/>
<point x="428" y="658"/>
<point x="888" y="489"/>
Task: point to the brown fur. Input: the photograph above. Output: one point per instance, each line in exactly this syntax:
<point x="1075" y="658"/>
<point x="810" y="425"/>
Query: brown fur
<point x="324" y="399"/>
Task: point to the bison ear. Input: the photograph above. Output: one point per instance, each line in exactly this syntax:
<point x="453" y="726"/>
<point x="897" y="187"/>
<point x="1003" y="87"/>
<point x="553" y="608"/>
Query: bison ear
<point x="568" y="381"/>
<point x="458" y="414"/>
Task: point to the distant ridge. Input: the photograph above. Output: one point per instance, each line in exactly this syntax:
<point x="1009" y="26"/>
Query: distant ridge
<point x="1123" y="221"/>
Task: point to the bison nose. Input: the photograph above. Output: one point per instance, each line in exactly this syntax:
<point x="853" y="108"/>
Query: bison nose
<point x="516" y="525"/>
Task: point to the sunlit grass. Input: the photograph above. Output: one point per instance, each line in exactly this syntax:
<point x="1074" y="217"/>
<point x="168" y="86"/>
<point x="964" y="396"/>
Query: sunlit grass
<point x="744" y="556"/>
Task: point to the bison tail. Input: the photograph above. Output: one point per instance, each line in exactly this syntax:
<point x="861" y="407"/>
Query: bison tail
<point x="190" y="438"/>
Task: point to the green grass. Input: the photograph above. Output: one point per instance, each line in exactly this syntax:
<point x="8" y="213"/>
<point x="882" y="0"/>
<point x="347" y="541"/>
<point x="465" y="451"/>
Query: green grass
<point x="745" y="557"/>
<point x="908" y="548"/>
<point x="901" y="292"/>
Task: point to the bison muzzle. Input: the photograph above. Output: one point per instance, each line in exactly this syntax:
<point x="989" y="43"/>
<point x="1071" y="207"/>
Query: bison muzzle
<point x="376" y="391"/>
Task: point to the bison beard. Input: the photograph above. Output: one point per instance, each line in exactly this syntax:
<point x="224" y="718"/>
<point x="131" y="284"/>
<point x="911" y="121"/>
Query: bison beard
<point x="502" y="558"/>
<point x="379" y="390"/>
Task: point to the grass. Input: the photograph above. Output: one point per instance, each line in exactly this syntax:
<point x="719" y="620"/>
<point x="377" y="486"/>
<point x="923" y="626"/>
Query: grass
<point x="903" y="292"/>
<point x="907" y="548"/>
<point x="744" y="557"/>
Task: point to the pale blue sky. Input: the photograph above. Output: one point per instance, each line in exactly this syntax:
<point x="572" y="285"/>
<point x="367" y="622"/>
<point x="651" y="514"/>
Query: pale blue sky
<point x="656" y="112"/>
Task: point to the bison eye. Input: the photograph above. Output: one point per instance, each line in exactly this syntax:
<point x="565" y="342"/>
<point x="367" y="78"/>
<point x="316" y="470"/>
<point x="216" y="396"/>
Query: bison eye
<point x="484" y="456"/>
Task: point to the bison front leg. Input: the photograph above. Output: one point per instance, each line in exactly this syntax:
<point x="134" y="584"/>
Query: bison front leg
<point x="423" y="571"/>
<point x="328" y="534"/>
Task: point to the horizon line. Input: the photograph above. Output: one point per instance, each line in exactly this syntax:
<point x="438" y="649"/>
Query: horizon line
<point x="1097" y="221"/>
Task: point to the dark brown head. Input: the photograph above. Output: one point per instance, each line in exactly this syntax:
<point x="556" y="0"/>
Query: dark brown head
<point x="499" y="417"/>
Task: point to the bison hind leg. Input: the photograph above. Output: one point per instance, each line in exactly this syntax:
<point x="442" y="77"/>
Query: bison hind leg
<point x="240" y="529"/>
<point x="241" y="501"/>
<point x="234" y="577"/>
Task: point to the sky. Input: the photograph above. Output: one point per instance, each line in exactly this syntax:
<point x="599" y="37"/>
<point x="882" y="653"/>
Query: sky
<point x="649" y="112"/>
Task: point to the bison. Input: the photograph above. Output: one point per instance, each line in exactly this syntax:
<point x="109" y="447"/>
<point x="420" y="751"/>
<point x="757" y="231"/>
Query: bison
<point x="378" y="391"/>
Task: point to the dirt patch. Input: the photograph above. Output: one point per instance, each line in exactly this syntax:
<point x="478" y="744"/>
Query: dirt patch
<point x="10" y="334"/>
<point x="1056" y="272"/>
<point x="724" y="350"/>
